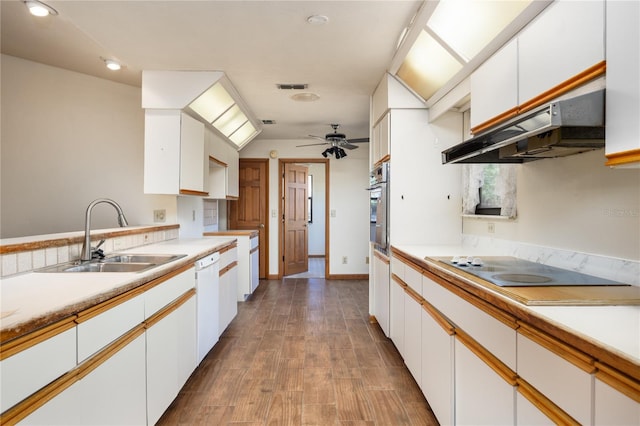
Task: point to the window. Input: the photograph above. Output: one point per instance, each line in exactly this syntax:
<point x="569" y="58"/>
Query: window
<point x="490" y="199"/>
<point x="489" y="189"/>
<point x="310" y="198"/>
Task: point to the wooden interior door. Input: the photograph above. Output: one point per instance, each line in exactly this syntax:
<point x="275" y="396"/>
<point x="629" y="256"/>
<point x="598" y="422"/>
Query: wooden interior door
<point x="296" y="255"/>
<point x="250" y="210"/>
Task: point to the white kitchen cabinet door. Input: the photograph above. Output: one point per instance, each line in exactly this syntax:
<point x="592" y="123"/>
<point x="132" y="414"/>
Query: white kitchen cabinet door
<point x="228" y="297"/>
<point x="437" y="368"/>
<point x="494" y="85"/>
<point x="31" y="369"/>
<point x="191" y="154"/>
<point x="381" y="291"/>
<point x="612" y="407"/>
<point x="412" y="347"/>
<point x="491" y="333"/>
<point x="384" y="137"/>
<point x="247" y="272"/>
<point x="112" y="394"/>
<point x="482" y="397"/>
<point x="171" y="357"/>
<point x="255" y="263"/>
<point x="97" y="332"/>
<point x="623" y="83"/>
<point x="564" y="40"/>
<point x="528" y="414"/>
<point x="396" y="314"/>
<point x="562" y="382"/>
<point x="173" y="152"/>
<point x="162" y="294"/>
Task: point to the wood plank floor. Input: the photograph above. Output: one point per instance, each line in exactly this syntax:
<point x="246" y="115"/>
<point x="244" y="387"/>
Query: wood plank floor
<point x="302" y="352"/>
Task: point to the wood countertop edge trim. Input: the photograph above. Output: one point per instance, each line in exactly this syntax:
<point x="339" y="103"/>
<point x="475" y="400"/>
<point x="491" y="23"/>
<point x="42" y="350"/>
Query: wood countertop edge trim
<point x="64" y="241"/>
<point x="618" y="381"/>
<point x="237" y="232"/>
<point x="600" y="352"/>
<point x="507" y="374"/>
<point x="544" y="404"/>
<point x="31" y="328"/>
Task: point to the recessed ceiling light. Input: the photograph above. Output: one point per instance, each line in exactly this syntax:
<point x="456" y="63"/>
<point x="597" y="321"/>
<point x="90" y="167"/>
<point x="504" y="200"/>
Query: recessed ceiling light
<point x="305" y="97"/>
<point x="318" y="19"/>
<point x="37" y="8"/>
<point x="112" y="65"/>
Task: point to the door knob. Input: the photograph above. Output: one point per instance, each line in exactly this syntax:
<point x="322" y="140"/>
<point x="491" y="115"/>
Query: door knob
<point x="262" y="225"/>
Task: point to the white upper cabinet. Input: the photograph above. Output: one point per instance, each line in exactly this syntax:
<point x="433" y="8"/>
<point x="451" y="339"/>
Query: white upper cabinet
<point x="623" y="83"/>
<point x="563" y="41"/>
<point x="173" y="153"/>
<point x="494" y="85"/>
<point x="223" y="169"/>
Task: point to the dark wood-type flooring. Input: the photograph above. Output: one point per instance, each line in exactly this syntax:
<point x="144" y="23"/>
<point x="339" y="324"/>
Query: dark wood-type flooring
<point x="302" y="352"/>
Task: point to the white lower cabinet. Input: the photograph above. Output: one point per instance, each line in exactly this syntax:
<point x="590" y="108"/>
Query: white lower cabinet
<point x="482" y="397"/>
<point x="528" y="414"/>
<point x="561" y="381"/>
<point x="112" y="394"/>
<point x="381" y="290"/>
<point x="396" y="314"/>
<point x="412" y="347"/>
<point x="228" y="296"/>
<point x="29" y="370"/>
<point x="437" y="365"/>
<point x="171" y="357"/>
<point x="613" y="407"/>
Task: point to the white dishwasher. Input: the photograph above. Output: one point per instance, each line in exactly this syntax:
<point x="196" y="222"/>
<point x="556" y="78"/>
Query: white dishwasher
<point x="207" y="303"/>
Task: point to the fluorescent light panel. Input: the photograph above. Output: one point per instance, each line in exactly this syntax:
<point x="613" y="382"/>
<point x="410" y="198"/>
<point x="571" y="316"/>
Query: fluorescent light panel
<point x="243" y="133"/>
<point x="468" y="26"/>
<point x="230" y="121"/>
<point x="212" y="103"/>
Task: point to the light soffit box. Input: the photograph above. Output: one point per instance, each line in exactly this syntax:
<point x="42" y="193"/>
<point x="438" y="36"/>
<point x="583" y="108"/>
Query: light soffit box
<point x="208" y="95"/>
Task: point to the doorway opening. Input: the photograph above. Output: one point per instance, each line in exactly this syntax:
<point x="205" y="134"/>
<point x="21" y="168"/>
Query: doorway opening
<point x="304" y="209"/>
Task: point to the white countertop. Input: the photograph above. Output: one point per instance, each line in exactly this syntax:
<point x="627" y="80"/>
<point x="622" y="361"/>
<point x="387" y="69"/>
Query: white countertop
<point x="616" y="328"/>
<point x="34" y="295"/>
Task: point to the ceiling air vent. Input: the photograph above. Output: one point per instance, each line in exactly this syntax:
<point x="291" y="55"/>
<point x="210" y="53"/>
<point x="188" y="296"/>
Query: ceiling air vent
<point x="268" y="121"/>
<point x="292" y="86"/>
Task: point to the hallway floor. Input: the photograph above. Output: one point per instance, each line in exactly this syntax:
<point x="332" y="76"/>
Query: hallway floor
<point x="302" y="352"/>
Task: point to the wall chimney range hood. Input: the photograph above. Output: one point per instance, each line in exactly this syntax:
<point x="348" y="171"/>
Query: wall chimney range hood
<point x="557" y="129"/>
<point x="206" y="95"/>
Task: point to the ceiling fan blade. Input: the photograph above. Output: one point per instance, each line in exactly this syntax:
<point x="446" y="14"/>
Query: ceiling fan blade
<point x="317" y="137"/>
<point x="358" y="140"/>
<point x="311" y="144"/>
<point x="348" y="145"/>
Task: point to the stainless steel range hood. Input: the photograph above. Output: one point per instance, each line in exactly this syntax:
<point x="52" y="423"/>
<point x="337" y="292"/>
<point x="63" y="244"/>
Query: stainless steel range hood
<point x="557" y="129"/>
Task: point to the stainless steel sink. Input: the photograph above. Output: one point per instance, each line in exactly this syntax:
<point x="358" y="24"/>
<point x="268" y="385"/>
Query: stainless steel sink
<point x="116" y="263"/>
<point x="109" y="267"/>
<point x="156" y="259"/>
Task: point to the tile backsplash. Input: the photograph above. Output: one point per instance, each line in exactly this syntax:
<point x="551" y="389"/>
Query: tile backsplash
<point x="28" y="260"/>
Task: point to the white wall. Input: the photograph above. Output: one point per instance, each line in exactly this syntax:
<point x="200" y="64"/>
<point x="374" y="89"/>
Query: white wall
<point x="67" y="139"/>
<point x="574" y="203"/>
<point x="317" y="226"/>
<point x="349" y="229"/>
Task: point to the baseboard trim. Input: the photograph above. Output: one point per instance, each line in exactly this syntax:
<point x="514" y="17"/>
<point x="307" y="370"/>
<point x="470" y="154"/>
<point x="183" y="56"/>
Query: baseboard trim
<point x="348" y="277"/>
<point x="273" y="277"/>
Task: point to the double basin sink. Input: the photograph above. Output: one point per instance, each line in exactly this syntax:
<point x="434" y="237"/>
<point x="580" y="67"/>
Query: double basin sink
<point x="116" y="263"/>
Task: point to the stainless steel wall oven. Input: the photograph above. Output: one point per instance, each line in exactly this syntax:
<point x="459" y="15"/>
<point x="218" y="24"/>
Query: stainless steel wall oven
<point x="379" y="207"/>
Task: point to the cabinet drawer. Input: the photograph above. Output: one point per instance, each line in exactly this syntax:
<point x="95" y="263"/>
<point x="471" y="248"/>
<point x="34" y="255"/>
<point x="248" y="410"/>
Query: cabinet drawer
<point x="29" y="370"/>
<point x="98" y="331"/>
<point x="497" y="337"/>
<point x="561" y="381"/>
<point x="413" y="278"/>
<point x="397" y="267"/>
<point x="228" y="257"/>
<point x="164" y="293"/>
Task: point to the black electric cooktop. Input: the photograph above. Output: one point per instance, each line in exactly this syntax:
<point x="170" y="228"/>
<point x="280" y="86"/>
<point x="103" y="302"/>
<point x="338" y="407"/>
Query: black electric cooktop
<point x="514" y="272"/>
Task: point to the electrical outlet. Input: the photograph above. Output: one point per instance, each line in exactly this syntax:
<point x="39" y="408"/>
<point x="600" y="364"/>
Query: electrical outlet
<point x="193" y="215"/>
<point x="332" y="213"/>
<point x="159" y="215"/>
<point x="345" y="260"/>
<point x="274" y="213"/>
<point x="366" y="260"/>
<point x="491" y="227"/>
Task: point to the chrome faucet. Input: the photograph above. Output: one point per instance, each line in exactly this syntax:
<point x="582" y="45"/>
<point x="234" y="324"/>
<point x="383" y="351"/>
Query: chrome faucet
<point x="87" y="251"/>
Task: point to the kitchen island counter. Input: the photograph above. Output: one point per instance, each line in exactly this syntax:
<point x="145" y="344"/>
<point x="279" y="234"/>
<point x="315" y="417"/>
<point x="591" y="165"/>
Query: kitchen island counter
<point x="608" y="333"/>
<point x="34" y="300"/>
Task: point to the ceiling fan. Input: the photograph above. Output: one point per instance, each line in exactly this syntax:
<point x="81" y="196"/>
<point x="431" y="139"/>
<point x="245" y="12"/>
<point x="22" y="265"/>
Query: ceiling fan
<point x="338" y="141"/>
